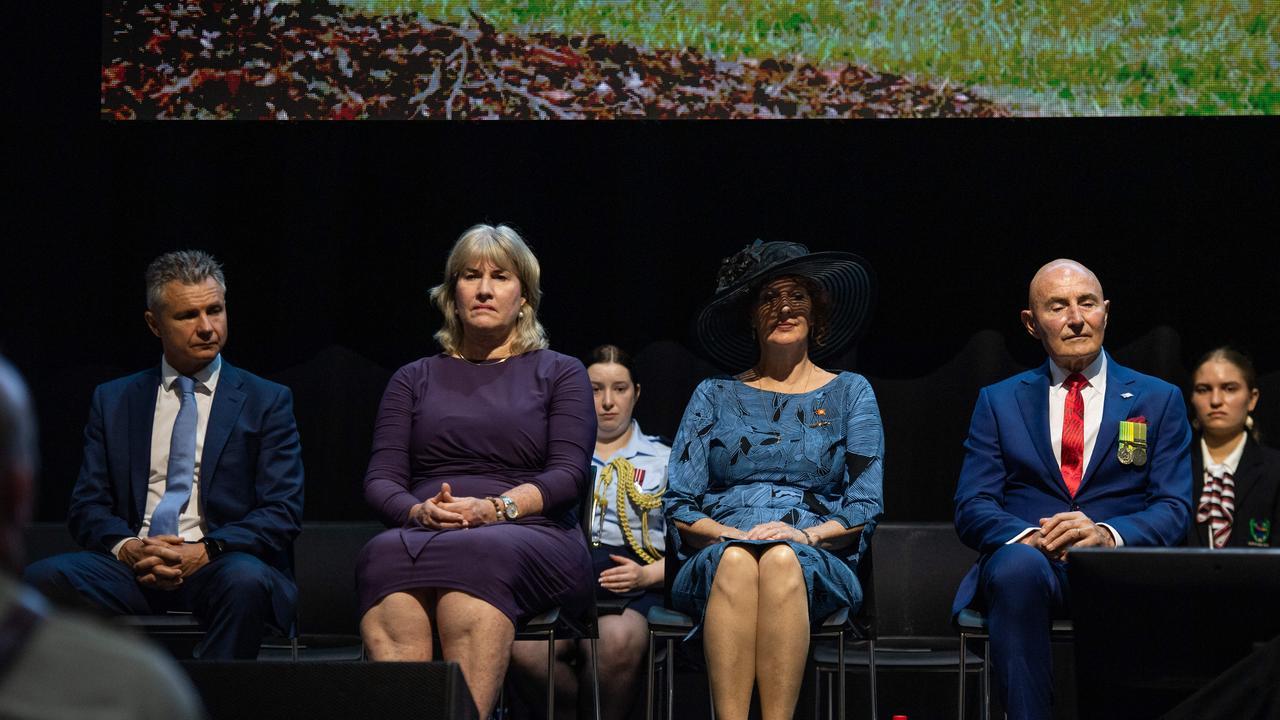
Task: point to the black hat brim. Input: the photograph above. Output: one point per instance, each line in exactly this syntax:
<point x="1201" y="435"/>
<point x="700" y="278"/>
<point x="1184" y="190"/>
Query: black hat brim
<point x="722" y="327"/>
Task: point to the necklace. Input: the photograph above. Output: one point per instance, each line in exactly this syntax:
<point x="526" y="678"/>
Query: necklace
<point x="493" y="361"/>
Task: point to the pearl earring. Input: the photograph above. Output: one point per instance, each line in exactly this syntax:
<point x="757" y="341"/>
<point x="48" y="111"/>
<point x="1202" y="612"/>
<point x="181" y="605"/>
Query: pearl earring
<point x="522" y="313"/>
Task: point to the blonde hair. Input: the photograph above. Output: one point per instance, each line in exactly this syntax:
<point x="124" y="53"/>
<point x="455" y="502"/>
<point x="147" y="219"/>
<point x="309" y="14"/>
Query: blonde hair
<point x="503" y="247"/>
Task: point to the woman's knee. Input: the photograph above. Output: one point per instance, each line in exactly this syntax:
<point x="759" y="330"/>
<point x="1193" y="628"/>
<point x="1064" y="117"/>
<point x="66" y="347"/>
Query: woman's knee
<point x="530" y="656"/>
<point x="460" y="614"/>
<point x="737" y="569"/>
<point x="622" y="645"/>
<point x="780" y="570"/>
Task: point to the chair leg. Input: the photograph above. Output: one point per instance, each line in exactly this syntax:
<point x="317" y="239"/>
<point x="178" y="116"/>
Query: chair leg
<point x="871" y="672"/>
<point x="595" y="680"/>
<point x="986" y="679"/>
<point x="963" y="678"/>
<point x="648" y="698"/>
<point x="831" y="700"/>
<point x="670" y="685"/>
<point x="551" y="675"/>
<point x="817" y="688"/>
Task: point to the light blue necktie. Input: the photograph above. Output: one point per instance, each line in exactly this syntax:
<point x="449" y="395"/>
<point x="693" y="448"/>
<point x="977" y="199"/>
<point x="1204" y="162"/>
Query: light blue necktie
<point x="182" y="463"/>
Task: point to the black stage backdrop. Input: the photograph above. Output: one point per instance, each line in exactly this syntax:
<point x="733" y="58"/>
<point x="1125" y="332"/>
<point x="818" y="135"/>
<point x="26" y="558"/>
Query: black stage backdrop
<point x="332" y="234"/>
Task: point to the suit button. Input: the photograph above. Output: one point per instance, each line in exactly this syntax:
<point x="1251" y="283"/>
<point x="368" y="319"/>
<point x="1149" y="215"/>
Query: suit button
<point x="1075" y="507"/>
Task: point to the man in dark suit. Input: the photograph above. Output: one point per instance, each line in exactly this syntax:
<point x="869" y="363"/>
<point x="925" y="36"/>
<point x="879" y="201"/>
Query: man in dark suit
<point x="1080" y="451"/>
<point x="190" y="491"/>
<point x="55" y="665"/>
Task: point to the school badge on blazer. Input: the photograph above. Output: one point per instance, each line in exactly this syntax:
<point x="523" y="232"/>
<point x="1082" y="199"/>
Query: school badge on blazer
<point x="1132" y="445"/>
<point x="1259" y="533"/>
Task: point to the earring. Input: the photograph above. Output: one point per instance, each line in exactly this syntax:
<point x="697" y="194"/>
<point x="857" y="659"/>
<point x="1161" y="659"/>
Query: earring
<point x="1195" y="423"/>
<point x="521" y="313"/>
<point x="1248" y="422"/>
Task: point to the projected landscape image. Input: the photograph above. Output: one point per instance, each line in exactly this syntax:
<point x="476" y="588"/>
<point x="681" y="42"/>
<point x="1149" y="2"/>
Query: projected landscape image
<point x="600" y="59"/>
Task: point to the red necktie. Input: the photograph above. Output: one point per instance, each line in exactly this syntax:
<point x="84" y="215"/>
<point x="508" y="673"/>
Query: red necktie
<point x="1073" y="433"/>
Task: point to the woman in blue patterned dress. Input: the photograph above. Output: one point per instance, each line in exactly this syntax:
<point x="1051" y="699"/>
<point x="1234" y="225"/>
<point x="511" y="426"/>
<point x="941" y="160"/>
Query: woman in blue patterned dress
<point x="775" y="474"/>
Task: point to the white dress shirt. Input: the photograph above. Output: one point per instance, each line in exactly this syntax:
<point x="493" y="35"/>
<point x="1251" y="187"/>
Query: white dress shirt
<point x="1093" y="396"/>
<point x="168" y="399"/>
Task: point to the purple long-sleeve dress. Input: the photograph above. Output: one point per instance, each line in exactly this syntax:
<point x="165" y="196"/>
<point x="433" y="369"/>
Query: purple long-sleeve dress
<point x="484" y="429"/>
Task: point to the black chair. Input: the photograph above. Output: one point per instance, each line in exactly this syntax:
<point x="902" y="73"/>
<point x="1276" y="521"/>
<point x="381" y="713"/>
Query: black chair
<point x="555" y="624"/>
<point x="910" y="574"/>
<point x="324" y="568"/>
<point x="669" y="625"/>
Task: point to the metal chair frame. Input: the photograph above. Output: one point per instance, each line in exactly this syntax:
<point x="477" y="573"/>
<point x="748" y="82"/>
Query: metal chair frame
<point x="547" y="626"/>
<point x="890" y="572"/>
<point x="554" y="624"/>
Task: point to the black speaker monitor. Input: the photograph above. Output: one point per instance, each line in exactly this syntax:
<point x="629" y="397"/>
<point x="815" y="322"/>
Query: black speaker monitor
<point x="1154" y="625"/>
<point x="248" y="690"/>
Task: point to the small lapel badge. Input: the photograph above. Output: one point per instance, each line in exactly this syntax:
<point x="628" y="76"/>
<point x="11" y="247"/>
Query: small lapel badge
<point x="1259" y="533"/>
<point x="1132" y="447"/>
<point x="1126" y="395"/>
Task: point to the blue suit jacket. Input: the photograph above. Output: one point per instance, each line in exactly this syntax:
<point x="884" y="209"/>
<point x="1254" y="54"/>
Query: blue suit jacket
<point x="250" y="469"/>
<point x="1010" y="478"/>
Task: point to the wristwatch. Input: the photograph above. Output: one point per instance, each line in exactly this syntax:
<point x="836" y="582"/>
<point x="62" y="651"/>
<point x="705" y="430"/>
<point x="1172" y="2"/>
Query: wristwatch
<point x="214" y="548"/>
<point x="509" y="508"/>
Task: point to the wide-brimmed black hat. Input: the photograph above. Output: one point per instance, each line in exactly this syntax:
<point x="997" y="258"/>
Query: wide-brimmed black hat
<point x="722" y="326"/>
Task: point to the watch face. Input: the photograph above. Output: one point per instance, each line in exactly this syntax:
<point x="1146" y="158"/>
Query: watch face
<point x="511" y="510"/>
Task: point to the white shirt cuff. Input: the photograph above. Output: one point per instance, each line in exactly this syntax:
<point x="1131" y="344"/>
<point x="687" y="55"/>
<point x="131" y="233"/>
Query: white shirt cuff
<point x="1115" y="535"/>
<point x="1019" y="536"/>
<point x="115" y="550"/>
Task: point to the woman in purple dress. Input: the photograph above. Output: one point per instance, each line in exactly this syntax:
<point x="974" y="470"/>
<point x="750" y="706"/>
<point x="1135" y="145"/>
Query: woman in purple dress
<point x="480" y="454"/>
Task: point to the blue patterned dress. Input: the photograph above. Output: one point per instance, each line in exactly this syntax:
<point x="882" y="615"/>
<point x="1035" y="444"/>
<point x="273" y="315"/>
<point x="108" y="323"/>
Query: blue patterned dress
<point x="745" y="456"/>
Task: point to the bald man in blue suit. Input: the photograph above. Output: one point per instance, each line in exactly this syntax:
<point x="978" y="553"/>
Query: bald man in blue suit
<point x="1044" y="473"/>
<point x="223" y="548"/>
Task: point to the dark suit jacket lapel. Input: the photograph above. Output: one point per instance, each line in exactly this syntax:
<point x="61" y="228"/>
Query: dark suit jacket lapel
<point x="1246" y="478"/>
<point x="1033" y="402"/>
<point x="142" y="413"/>
<point x="228" y="399"/>
<point x="1115" y="408"/>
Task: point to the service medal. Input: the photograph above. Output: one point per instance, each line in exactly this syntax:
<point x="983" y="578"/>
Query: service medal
<point x="1133" y="443"/>
<point x="1125" y="453"/>
<point x="1139" y="455"/>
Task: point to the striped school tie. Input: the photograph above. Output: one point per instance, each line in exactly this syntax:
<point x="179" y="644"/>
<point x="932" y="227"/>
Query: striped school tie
<point x="1217" y="503"/>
